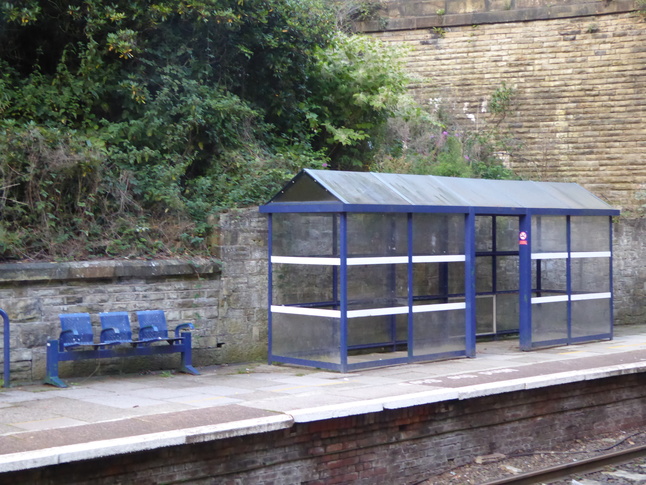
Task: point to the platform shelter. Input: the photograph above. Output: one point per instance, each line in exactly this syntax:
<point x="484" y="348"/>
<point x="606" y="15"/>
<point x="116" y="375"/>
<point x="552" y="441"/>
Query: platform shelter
<point x="374" y="269"/>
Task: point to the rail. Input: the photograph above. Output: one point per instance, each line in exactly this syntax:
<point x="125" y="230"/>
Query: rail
<point x="557" y="472"/>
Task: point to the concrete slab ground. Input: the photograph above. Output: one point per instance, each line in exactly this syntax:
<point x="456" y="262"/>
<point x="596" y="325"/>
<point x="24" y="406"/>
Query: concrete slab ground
<point x="99" y="416"/>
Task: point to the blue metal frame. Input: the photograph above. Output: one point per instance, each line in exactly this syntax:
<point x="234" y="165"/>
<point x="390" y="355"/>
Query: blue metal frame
<point x="612" y="292"/>
<point x="470" y="283"/>
<point x="6" y="349"/>
<point x="270" y="293"/>
<point x="57" y="353"/>
<point x="409" y="271"/>
<point x="340" y="207"/>
<point x="525" y="283"/>
<point x="343" y="296"/>
<point x="568" y="276"/>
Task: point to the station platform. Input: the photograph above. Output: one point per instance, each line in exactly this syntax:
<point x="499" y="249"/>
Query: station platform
<point x="103" y="416"/>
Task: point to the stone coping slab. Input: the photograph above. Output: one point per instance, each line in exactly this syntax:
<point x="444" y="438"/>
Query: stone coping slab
<point x="106" y="269"/>
<point x="548" y="12"/>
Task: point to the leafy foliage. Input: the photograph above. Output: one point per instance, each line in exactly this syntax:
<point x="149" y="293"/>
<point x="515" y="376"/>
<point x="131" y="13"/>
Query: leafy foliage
<point x="439" y="140"/>
<point x="124" y="125"/>
<point x="358" y="84"/>
<point x="125" y="115"/>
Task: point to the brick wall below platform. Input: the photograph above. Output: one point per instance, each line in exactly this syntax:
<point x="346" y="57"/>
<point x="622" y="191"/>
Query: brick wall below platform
<point x="402" y="446"/>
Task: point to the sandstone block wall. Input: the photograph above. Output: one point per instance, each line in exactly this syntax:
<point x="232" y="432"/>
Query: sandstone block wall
<point x="579" y="85"/>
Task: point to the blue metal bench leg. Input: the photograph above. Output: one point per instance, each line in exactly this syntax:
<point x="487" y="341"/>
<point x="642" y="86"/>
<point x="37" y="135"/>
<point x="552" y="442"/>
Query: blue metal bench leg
<point x="187" y="355"/>
<point x="52" y="365"/>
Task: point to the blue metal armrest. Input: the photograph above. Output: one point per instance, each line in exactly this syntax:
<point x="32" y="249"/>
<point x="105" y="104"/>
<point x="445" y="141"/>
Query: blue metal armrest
<point x="110" y="335"/>
<point x="149" y="328"/>
<point x="183" y="326"/>
<point x="69" y="338"/>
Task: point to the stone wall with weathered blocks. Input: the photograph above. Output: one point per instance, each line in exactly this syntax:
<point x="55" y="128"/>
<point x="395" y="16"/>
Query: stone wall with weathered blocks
<point x="224" y="298"/>
<point x="576" y="68"/>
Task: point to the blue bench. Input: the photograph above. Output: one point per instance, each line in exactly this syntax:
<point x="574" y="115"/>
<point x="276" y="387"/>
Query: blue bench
<point x="76" y="340"/>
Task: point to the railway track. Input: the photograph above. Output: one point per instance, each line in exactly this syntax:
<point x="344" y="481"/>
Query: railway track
<point x="583" y="467"/>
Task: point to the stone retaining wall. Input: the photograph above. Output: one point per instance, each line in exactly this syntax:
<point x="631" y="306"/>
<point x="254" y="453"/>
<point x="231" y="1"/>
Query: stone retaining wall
<point x="579" y="84"/>
<point x="225" y="299"/>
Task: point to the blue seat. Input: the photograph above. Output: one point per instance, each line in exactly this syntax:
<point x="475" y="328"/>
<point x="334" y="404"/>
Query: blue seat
<point x="76" y="329"/>
<point x="153" y="326"/>
<point x="115" y="328"/>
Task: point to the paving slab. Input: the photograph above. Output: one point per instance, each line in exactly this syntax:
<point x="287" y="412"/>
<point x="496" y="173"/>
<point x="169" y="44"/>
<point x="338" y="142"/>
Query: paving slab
<point x="103" y="415"/>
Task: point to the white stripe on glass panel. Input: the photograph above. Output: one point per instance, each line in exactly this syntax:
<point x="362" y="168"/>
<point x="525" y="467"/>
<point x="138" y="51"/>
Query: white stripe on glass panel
<point x="591" y="254"/>
<point x="440" y="307"/>
<point x="549" y="255"/>
<point x="378" y="260"/>
<point x="374" y="312"/>
<point x="305" y="260"/>
<point x="312" y="312"/>
<point x="444" y="258"/>
<point x="447" y="258"/>
<point x="548" y="299"/>
<point x="591" y="296"/>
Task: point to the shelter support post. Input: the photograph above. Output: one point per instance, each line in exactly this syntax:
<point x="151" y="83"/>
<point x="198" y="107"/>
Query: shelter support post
<point x="470" y="283"/>
<point x="7" y="350"/>
<point x="525" y="283"/>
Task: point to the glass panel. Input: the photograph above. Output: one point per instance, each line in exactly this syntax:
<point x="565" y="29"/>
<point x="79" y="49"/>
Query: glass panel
<point x="304" y="337"/>
<point x="507" y="229"/>
<point x="434" y="282"/>
<point x="549" y="234"/>
<point x="484" y="274"/>
<point x="381" y="330"/>
<point x="590" y="317"/>
<point x="549" y="321"/>
<point x="292" y="284"/>
<point x="435" y="234"/>
<point x="377" y="235"/>
<point x="484" y="233"/>
<point x="377" y="286"/>
<point x="590" y="275"/>
<point x="485" y="315"/>
<point x="507" y="273"/>
<point x="304" y="235"/>
<point x="590" y="233"/>
<point x="438" y="332"/>
<point x="549" y="276"/>
<point x="507" y="312"/>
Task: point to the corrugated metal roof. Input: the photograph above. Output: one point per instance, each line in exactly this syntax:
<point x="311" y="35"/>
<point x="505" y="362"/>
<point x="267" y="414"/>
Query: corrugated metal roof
<point x="366" y="188"/>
